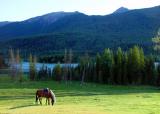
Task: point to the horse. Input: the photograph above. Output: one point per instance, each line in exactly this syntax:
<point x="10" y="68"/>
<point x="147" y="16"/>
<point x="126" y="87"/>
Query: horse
<point x="48" y="94"/>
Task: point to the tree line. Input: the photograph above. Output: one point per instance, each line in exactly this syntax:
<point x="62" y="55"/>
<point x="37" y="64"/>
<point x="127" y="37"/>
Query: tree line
<point x="119" y="67"/>
<point x="130" y="67"/>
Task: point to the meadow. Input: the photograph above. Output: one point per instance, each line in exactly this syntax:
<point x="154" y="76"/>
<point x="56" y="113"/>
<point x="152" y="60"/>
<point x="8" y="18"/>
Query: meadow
<point x="73" y="98"/>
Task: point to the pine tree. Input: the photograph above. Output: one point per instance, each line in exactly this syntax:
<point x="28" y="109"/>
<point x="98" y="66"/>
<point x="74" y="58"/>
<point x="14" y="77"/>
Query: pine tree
<point x="84" y="63"/>
<point x="12" y="64"/>
<point x="149" y="71"/>
<point x="1" y="61"/>
<point x="65" y="68"/>
<point x="156" y="41"/>
<point x="134" y="64"/>
<point x="19" y="71"/>
<point x="107" y="66"/>
<point x="32" y="67"/>
<point x="57" y="72"/>
<point x="118" y="65"/>
<point x="158" y="76"/>
<point x="124" y="69"/>
<point x="70" y="56"/>
<point x="20" y="74"/>
<point x="142" y="66"/>
<point x="17" y="63"/>
<point x="98" y="69"/>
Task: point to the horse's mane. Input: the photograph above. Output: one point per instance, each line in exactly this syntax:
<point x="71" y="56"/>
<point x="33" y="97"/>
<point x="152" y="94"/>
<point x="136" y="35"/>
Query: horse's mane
<point x="53" y="96"/>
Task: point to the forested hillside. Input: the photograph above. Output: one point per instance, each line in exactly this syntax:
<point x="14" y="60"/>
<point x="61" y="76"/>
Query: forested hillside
<point x="56" y="31"/>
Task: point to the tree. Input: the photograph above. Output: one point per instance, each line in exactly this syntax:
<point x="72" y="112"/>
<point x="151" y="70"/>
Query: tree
<point x="98" y="69"/>
<point x="84" y="63"/>
<point x="17" y="63"/>
<point x="156" y="41"/>
<point x="149" y="72"/>
<point x="124" y="69"/>
<point x="65" y="67"/>
<point x="118" y="66"/>
<point x="134" y="65"/>
<point x="142" y="66"/>
<point x="41" y="75"/>
<point x="70" y="64"/>
<point x="19" y="71"/>
<point x="2" y="64"/>
<point x="158" y="76"/>
<point x="12" y="64"/>
<point x="57" y="72"/>
<point x="107" y="66"/>
<point x="32" y="67"/>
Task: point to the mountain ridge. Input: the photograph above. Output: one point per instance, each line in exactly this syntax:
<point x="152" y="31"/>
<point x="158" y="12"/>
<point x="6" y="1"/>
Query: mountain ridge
<point x="71" y="31"/>
<point x="121" y="10"/>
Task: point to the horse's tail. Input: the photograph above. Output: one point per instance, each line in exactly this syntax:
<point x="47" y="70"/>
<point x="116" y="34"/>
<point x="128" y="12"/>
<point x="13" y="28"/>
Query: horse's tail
<point x="36" y="96"/>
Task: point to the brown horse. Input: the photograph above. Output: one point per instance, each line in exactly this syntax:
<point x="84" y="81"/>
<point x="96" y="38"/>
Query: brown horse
<point x="47" y="93"/>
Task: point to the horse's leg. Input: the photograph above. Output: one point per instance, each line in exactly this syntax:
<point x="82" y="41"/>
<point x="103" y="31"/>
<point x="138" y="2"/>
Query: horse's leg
<point x="36" y="98"/>
<point x="48" y="101"/>
<point x="40" y="100"/>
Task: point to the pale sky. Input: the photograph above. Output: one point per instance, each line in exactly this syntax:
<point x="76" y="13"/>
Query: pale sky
<point x="17" y="10"/>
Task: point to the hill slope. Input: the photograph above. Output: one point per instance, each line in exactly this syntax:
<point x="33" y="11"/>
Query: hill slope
<point x="82" y="32"/>
<point x="4" y="23"/>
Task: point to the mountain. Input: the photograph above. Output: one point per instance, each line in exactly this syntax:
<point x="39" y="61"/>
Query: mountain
<point x="49" y="18"/>
<point x="4" y="23"/>
<point x="32" y="26"/>
<point x="121" y="10"/>
<point x="56" y="31"/>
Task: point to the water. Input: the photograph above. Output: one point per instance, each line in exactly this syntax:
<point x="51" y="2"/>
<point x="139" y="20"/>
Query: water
<point x="25" y="66"/>
<point x="156" y="64"/>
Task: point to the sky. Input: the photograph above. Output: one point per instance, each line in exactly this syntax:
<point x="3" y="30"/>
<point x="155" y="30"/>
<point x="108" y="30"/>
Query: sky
<point x="18" y="10"/>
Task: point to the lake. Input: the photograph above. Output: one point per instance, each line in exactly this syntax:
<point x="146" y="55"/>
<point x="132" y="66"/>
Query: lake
<point x="25" y="66"/>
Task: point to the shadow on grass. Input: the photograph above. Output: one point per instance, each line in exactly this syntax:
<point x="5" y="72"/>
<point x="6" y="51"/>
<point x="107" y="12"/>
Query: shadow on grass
<point x="23" y="106"/>
<point x="72" y="89"/>
<point x="79" y="93"/>
<point x="15" y="97"/>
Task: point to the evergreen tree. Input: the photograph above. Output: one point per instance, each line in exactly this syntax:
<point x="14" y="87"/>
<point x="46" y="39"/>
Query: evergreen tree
<point x="17" y="63"/>
<point x="125" y="69"/>
<point x="70" y="64"/>
<point x="158" y="76"/>
<point x="149" y="71"/>
<point x="65" y="67"/>
<point x="107" y="66"/>
<point x="84" y="63"/>
<point x="12" y="64"/>
<point x="118" y="66"/>
<point x="58" y="72"/>
<point x="2" y="64"/>
<point x="134" y="64"/>
<point x="142" y="66"/>
<point x="20" y="73"/>
<point x="32" y="67"/>
<point x="98" y="69"/>
<point x="156" y="41"/>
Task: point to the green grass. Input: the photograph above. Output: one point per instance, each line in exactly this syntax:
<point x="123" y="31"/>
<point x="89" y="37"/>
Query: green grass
<point x="19" y="98"/>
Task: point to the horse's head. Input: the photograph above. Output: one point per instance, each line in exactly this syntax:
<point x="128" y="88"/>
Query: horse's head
<point x="53" y="98"/>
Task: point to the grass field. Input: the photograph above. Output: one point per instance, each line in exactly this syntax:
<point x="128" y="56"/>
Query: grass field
<point x="16" y="98"/>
